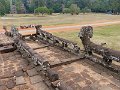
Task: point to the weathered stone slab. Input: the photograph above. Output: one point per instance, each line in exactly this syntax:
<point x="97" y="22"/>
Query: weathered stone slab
<point x="19" y="73"/>
<point x="113" y="86"/>
<point x="69" y="60"/>
<point x="3" y="88"/>
<point x="35" y="79"/>
<point x="40" y="86"/>
<point x="2" y="83"/>
<point x="10" y="84"/>
<point x="69" y="69"/>
<point x="30" y="66"/>
<point x="7" y="75"/>
<point x="95" y="86"/>
<point x="117" y="82"/>
<point x="20" y="80"/>
<point x="56" y="62"/>
<point x="32" y="72"/>
<point x="87" y="88"/>
<point x="103" y="87"/>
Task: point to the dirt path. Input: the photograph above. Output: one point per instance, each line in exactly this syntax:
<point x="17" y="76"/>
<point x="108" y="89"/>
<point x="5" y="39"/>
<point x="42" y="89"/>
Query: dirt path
<point x="75" y="27"/>
<point x="67" y="27"/>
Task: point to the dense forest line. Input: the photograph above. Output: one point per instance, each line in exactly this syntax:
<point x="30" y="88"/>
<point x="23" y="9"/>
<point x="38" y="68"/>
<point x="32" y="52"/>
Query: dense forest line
<point x="58" y="6"/>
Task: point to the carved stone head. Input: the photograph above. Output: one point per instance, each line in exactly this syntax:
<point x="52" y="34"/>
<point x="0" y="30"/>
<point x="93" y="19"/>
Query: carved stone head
<point x="86" y="31"/>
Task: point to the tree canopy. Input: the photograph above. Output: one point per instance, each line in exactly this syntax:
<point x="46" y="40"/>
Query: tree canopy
<point x="4" y="7"/>
<point x="59" y="6"/>
<point x="74" y="9"/>
<point x="43" y="10"/>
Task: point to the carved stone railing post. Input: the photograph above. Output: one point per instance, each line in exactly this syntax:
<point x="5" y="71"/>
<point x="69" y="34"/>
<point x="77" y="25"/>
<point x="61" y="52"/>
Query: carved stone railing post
<point x="85" y="34"/>
<point x="108" y="55"/>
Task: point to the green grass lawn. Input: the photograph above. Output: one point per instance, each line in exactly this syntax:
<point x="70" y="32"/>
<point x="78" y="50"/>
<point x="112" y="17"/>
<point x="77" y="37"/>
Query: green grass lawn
<point x="106" y="34"/>
<point x="56" y="19"/>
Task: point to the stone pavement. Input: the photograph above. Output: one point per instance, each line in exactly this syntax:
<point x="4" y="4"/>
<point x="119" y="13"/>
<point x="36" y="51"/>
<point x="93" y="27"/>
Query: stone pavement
<point x="83" y="76"/>
<point x="17" y="73"/>
<point x="4" y="39"/>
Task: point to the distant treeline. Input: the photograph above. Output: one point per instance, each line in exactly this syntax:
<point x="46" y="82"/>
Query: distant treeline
<point x="58" y="6"/>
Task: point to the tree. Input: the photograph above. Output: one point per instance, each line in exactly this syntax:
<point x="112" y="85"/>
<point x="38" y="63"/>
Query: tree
<point x="100" y="6"/>
<point x="66" y="10"/>
<point x="41" y="3"/>
<point x="7" y="6"/>
<point x="115" y="6"/>
<point x="85" y="10"/>
<point x="18" y="5"/>
<point x="50" y="11"/>
<point x="42" y="10"/>
<point x="2" y="9"/>
<point x="59" y="6"/>
<point x="74" y="9"/>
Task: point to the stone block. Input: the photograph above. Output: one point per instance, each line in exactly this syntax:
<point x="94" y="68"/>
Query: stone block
<point x="40" y="86"/>
<point x="19" y="73"/>
<point x="20" y="80"/>
<point x="32" y="72"/>
<point x="35" y="79"/>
